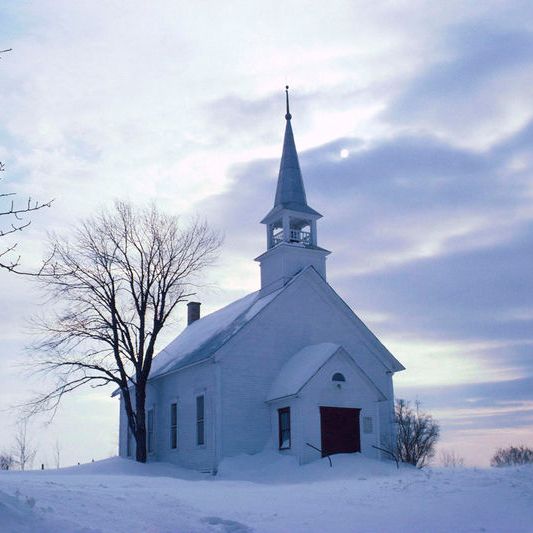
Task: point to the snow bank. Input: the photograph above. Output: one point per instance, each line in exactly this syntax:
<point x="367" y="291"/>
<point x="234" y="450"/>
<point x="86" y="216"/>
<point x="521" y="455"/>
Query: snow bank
<point x="267" y="493"/>
<point x="18" y="514"/>
<point x="118" y="466"/>
<point x="271" y="467"/>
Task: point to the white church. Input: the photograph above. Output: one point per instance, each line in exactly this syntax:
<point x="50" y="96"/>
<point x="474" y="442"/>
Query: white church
<point x="289" y="367"/>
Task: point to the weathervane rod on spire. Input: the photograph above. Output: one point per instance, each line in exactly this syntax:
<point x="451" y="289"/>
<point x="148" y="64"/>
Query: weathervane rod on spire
<point x="288" y="116"/>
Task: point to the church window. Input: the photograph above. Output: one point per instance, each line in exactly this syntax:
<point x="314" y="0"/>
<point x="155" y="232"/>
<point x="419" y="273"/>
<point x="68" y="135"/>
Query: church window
<point x="338" y="377"/>
<point x="284" y="418"/>
<point x="174" y="425"/>
<point x="150" y="430"/>
<point x="368" y="426"/>
<point x="200" y="414"/>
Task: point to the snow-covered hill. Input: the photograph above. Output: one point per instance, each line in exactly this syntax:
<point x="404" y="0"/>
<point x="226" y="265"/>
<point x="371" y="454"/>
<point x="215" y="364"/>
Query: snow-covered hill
<point x="266" y="493"/>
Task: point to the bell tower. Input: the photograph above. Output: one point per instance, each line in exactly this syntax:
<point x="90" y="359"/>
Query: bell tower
<point x="291" y="225"/>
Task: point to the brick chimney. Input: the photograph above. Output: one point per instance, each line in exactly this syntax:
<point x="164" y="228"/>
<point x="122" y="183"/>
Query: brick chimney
<point x="193" y="312"/>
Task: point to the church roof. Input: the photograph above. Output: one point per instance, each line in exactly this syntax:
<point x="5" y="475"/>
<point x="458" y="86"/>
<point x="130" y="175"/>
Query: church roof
<point x="300" y="368"/>
<point x="201" y="339"/>
<point x="304" y="365"/>
<point x="205" y="336"/>
<point x="290" y="191"/>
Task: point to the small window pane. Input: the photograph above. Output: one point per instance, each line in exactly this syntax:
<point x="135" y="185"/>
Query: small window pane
<point x="200" y="406"/>
<point x="338" y="377"/>
<point x="200" y="413"/>
<point x="367" y="424"/>
<point x="173" y="425"/>
<point x="284" y="416"/>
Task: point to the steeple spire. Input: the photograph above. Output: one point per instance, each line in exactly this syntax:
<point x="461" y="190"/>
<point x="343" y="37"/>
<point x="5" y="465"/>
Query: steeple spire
<point x="290" y="191"/>
<point x="288" y="115"/>
<point x="291" y="224"/>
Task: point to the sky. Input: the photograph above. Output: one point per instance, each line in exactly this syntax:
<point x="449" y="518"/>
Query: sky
<point x="414" y="125"/>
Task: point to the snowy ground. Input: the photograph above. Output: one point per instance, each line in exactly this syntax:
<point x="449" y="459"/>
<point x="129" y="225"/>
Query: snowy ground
<point x="266" y="493"/>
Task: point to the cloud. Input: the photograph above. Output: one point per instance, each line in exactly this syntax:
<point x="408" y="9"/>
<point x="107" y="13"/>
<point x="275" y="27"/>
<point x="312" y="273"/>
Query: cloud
<point x="470" y="407"/>
<point x="475" y="90"/>
<point x="431" y="237"/>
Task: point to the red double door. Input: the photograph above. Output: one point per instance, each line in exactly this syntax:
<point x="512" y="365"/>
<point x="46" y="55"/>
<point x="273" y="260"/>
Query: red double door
<point x="340" y="430"/>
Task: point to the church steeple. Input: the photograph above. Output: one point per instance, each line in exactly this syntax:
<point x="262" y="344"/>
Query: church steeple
<point x="288" y="115"/>
<point x="290" y="191"/>
<point x="291" y="223"/>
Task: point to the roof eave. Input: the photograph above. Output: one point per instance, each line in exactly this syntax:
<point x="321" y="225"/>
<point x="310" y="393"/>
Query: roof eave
<point x="285" y="397"/>
<point x="293" y="210"/>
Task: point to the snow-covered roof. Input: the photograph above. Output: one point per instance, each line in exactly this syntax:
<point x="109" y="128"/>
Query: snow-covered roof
<point x="305" y="364"/>
<point x="204" y="337"/>
<point x="300" y="368"/>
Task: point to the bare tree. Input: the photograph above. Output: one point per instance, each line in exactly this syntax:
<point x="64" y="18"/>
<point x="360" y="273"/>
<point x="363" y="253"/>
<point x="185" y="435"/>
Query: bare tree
<point x="450" y="459"/>
<point x="512" y="456"/>
<point x="16" y="221"/>
<point x="57" y="454"/>
<point x="115" y="285"/>
<point x="417" y="434"/>
<point x="15" y="215"/>
<point x="6" y="461"/>
<point x="24" y="451"/>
